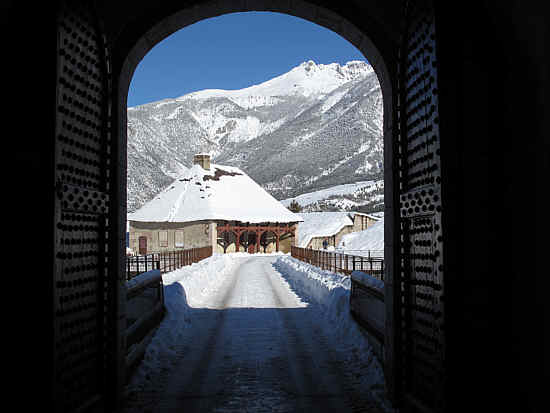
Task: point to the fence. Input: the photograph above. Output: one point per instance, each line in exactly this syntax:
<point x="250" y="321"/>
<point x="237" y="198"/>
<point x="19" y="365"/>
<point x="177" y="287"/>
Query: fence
<point x="363" y="253"/>
<point x="342" y="262"/>
<point x="165" y="261"/>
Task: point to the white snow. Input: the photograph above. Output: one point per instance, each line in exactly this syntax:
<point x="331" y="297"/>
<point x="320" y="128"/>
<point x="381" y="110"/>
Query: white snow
<point x="367" y="279"/>
<point x="321" y="224"/>
<point x="338" y="190"/>
<point x="232" y="196"/>
<point x="306" y="79"/>
<point x="332" y="100"/>
<point x="370" y="239"/>
<point x="192" y="298"/>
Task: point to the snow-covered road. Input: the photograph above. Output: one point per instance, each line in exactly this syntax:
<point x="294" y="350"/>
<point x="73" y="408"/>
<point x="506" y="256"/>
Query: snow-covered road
<point x="253" y="345"/>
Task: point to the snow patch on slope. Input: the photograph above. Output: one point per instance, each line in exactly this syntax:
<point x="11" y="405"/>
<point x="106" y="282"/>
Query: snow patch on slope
<point x="338" y="190"/>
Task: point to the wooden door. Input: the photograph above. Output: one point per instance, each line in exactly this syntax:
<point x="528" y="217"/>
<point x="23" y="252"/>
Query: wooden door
<point x="421" y="337"/>
<point x="84" y="341"/>
<point x="142" y="241"/>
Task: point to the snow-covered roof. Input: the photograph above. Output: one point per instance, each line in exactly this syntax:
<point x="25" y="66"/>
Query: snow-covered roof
<point x="220" y="193"/>
<point x="371" y="239"/>
<point x="321" y="224"/>
<point x="377" y="215"/>
<point x="371" y="216"/>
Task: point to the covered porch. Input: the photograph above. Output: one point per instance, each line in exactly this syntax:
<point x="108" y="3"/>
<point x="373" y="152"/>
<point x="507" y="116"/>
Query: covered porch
<point x="255" y="238"/>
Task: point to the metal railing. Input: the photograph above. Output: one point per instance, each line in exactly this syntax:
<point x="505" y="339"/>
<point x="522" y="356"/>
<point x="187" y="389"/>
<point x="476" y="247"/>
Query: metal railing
<point x="362" y="253"/>
<point x="165" y="261"/>
<point x="341" y="262"/>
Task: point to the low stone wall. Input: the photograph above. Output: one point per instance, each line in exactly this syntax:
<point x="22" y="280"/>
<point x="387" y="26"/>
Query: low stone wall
<point x="144" y="312"/>
<point x="368" y="308"/>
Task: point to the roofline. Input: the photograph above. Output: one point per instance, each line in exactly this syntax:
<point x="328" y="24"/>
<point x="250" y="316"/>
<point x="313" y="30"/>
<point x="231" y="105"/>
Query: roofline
<point x="323" y="236"/>
<point x="216" y="219"/>
<point x="367" y="215"/>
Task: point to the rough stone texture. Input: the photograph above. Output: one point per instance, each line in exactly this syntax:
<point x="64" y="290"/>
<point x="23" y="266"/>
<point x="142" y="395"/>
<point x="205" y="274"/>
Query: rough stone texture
<point x="194" y="235"/>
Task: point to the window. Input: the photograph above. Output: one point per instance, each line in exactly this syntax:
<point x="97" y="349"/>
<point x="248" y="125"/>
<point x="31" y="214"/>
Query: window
<point x="179" y="239"/>
<point x="163" y="238"/>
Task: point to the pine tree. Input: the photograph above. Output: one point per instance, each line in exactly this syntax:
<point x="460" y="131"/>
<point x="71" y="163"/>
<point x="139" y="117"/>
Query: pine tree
<point x="295" y="206"/>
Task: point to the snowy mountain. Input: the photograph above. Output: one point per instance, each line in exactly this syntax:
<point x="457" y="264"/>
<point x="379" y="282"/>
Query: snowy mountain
<point x="313" y="127"/>
<point x="345" y="197"/>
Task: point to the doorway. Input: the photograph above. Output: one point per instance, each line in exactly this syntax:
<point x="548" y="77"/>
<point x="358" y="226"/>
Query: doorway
<point x="142" y="242"/>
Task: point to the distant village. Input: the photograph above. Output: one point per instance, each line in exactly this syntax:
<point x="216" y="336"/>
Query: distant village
<point x="221" y="206"/>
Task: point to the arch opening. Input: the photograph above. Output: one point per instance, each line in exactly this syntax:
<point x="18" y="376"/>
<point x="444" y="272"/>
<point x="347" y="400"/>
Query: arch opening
<point x="251" y="241"/>
<point x="361" y="40"/>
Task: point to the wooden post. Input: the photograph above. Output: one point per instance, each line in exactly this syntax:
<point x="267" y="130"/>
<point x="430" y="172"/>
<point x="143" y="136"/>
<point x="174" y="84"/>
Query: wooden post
<point x="277" y="241"/>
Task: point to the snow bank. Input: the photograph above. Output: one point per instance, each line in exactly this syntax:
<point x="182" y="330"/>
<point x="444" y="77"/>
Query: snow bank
<point x="196" y="280"/>
<point x="364" y="278"/>
<point x="329" y="294"/>
<point x="185" y="290"/>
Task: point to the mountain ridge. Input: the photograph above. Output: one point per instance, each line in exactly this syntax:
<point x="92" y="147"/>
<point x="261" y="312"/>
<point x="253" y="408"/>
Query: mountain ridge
<point x="312" y="127"/>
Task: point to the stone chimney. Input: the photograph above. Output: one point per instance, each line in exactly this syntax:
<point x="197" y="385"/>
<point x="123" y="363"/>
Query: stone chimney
<point x="202" y="159"/>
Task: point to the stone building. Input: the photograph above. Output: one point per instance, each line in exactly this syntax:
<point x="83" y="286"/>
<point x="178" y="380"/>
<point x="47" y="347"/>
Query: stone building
<point x="332" y="226"/>
<point x="213" y="205"/>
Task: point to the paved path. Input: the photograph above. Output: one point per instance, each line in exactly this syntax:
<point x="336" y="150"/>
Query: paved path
<point x="256" y="348"/>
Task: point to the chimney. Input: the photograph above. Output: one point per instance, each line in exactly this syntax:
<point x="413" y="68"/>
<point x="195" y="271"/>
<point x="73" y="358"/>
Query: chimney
<point x="202" y="159"/>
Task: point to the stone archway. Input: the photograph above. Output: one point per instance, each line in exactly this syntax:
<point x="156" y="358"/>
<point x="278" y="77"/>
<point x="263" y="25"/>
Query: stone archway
<point x="268" y="239"/>
<point x="226" y="238"/>
<point x="417" y="92"/>
<point x="247" y="241"/>
<point x="502" y="42"/>
<point x="376" y="41"/>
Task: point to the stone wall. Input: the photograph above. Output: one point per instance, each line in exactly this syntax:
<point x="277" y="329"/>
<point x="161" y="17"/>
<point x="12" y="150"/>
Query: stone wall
<point x="193" y="235"/>
<point x="362" y="222"/>
<point x="368" y="308"/>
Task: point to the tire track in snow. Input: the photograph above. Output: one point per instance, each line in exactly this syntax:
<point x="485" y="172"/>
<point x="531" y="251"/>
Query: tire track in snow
<point x="191" y="391"/>
<point x="256" y="348"/>
<point x="316" y="380"/>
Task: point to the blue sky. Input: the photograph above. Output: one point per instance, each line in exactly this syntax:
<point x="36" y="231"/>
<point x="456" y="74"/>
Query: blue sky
<point x="233" y="51"/>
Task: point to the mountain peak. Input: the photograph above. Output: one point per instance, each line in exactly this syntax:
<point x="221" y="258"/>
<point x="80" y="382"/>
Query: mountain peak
<point x="351" y="70"/>
<point x="307" y="78"/>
